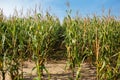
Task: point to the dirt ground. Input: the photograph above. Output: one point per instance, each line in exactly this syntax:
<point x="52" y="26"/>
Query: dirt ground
<point x="57" y="71"/>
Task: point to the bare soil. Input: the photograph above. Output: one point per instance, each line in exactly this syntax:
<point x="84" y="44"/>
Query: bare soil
<point x="57" y="71"/>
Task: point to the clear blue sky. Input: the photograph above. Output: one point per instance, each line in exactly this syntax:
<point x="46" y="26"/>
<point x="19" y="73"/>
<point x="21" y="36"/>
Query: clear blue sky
<point x="58" y="7"/>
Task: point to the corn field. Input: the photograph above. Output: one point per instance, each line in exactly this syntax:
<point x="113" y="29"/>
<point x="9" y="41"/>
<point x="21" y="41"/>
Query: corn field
<point x="96" y="39"/>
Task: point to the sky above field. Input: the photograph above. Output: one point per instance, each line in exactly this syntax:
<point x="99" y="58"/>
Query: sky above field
<point x="58" y="7"/>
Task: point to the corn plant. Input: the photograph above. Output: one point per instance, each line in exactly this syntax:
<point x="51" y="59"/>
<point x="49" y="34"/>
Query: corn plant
<point x="43" y="38"/>
<point x="73" y="39"/>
